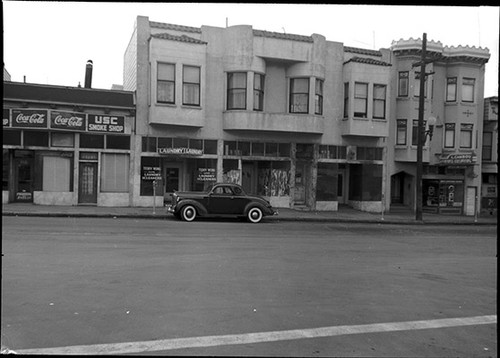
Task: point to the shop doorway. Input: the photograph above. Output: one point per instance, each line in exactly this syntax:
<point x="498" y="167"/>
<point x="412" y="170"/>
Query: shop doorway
<point x="87" y="185"/>
<point x="248" y="179"/>
<point x="23" y="184"/>
<point x="299" y="197"/>
<point x="173" y="179"/>
<point x="341" y="187"/>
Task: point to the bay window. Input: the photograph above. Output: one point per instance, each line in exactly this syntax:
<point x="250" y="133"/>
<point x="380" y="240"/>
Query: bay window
<point x="403" y="84"/>
<point x="451" y="89"/>
<point x="466" y="135"/>
<point x="449" y="135"/>
<point x="468" y="89"/>
<point x="258" y="92"/>
<point x="379" y="92"/>
<point x="401" y="132"/>
<point x="318" y="99"/>
<point x="360" y="99"/>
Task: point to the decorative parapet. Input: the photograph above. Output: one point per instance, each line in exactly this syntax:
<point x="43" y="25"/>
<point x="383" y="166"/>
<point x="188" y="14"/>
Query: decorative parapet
<point x="446" y="53"/>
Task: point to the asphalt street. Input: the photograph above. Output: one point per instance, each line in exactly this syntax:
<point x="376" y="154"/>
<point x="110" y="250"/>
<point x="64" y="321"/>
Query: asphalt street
<point x="142" y="286"/>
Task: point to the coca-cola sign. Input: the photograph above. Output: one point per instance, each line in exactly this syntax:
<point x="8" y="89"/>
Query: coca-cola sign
<point x="67" y="120"/>
<point x="29" y="118"/>
<point x="6" y="117"/>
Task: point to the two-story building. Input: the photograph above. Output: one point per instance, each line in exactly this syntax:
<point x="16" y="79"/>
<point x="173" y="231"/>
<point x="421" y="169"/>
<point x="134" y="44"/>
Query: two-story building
<point x="298" y="119"/>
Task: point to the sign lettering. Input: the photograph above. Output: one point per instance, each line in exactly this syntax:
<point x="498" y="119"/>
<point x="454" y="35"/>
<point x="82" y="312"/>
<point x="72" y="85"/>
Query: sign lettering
<point x="457" y="158"/>
<point x="6" y="117"/>
<point x="206" y="174"/>
<point x="67" y="120"/>
<point x="29" y="118"/>
<point x="180" y="151"/>
<point x="99" y="123"/>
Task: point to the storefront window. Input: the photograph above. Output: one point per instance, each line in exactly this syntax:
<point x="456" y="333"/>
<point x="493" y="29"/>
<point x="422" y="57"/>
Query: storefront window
<point x="231" y="173"/>
<point x="63" y="139"/>
<point x="203" y="173"/>
<point x="326" y="187"/>
<point x="443" y="193"/>
<point x="149" y="144"/>
<point x="5" y="171"/>
<point x="56" y="174"/>
<point x="118" y="141"/>
<point x="210" y="146"/>
<point x="114" y="172"/>
<point x="150" y="167"/>
<point x="273" y="178"/>
<point x="365" y="182"/>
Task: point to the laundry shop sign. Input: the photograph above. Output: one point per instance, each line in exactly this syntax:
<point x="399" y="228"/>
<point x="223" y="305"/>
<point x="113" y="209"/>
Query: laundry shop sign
<point x="453" y="159"/>
<point x="181" y="151"/>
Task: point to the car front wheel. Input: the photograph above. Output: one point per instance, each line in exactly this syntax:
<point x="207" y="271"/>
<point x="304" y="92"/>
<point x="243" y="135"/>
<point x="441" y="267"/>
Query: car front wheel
<point x="188" y="213"/>
<point x="254" y="215"/>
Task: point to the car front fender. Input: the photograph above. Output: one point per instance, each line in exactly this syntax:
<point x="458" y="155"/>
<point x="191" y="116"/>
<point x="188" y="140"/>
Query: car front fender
<point x="199" y="207"/>
<point x="264" y="208"/>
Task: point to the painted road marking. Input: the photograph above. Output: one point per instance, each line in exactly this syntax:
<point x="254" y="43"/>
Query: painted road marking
<point x="261" y="337"/>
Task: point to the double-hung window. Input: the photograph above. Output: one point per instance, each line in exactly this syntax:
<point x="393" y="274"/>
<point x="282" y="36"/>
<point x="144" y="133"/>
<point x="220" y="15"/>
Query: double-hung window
<point x="346" y="99"/>
<point x="417" y="85"/>
<point x="166" y="83"/>
<point x="401" y="132"/>
<point x="258" y="92"/>
<point x="299" y="95"/>
<point x="360" y="99"/>
<point x="403" y="84"/>
<point x="468" y="89"/>
<point x="318" y="99"/>
<point x="414" y="133"/>
<point x="379" y="92"/>
<point x="487" y="145"/>
<point x="449" y="135"/>
<point x="191" y="85"/>
<point x="466" y="135"/>
<point x="237" y="90"/>
<point x="451" y="89"/>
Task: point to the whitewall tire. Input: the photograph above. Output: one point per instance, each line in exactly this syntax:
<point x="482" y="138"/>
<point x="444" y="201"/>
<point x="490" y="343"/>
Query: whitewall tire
<point x="254" y="215"/>
<point x="188" y="213"/>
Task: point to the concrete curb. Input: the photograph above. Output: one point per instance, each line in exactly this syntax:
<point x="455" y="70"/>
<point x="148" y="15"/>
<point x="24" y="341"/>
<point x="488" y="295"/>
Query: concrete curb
<point x="267" y="219"/>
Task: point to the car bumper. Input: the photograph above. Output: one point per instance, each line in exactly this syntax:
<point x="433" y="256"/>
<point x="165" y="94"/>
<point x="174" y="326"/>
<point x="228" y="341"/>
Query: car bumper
<point x="170" y="209"/>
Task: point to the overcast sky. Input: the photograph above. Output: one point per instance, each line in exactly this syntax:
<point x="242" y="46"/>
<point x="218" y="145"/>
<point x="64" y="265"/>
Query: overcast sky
<point x="50" y="42"/>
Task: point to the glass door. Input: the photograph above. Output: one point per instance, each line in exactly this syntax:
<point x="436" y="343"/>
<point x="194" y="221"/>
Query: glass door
<point x="87" y="188"/>
<point x="24" y="177"/>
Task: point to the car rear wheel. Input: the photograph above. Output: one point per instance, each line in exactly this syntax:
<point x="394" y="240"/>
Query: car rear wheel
<point x="188" y="213"/>
<point x="254" y="215"/>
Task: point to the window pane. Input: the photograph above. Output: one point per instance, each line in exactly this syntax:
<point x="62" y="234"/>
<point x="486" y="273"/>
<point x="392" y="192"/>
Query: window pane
<point x="191" y="74"/>
<point x="166" y="71"/>
<point x="451" y="89"/>
<point x="117" y="142"/>
<point x="300" y="85"/>
<point x="36" y="138"/>
<point x="403" y="84"/>
<point x="360" y="90"/>
<point x="237" y="80"/>
<point x="401" y="132"/>
<point x="449" y="135"/>
<point x="468" y="90"/>
<point x="114" y="172"/>
<point x="91" y="141"/>
<point x="11" y="137"/>
<point x="166" y="92"/>
<point x="56" y="174"/>
<point x="63" y="140"/>
<point x="191" y="95"/>
<point x="210" y="146"/>
<point x="149" y="144"/>
<point x="466" y="135"/>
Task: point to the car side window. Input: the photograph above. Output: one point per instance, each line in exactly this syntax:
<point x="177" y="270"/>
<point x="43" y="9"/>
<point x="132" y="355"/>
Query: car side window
<point x="237" y="191"/>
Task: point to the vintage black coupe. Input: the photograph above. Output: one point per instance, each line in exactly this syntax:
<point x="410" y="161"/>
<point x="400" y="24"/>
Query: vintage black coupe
<point x="221" y="199"/>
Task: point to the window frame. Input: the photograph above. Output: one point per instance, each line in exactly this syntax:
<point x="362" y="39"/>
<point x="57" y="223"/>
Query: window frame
<point x="466" y="129"/>
<point x="170" y="82"/>
<point x="357" y="98"/>
<point x="376" y="100"/>
<point x="299" y="95"/>
<point x="346" y="99"/>
<point x="258" y="92"/>
<point x="451" y="82"/>
<point x="187" y="84"/>
<point x="232" y="91"/>
<point x="318" y="97"/>
<point x="401" y="124"/>
<point x="403" y="83"/>
<point x="464" y="85"/>
<point x="449" y="128"/>
<point x="487" y="146"/>
<point x="416" y="86"/>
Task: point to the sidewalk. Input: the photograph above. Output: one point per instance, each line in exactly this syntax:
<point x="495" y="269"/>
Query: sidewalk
<point x="344" y="214"/>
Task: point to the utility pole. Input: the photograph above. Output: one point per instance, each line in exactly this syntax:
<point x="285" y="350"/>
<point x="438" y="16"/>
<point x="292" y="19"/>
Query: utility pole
<point x="420" y="134"/>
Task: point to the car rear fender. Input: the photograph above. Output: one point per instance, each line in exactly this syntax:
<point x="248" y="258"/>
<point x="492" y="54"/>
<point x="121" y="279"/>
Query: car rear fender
<point x="254" y="204"/>
<point x="199" y="207"/>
